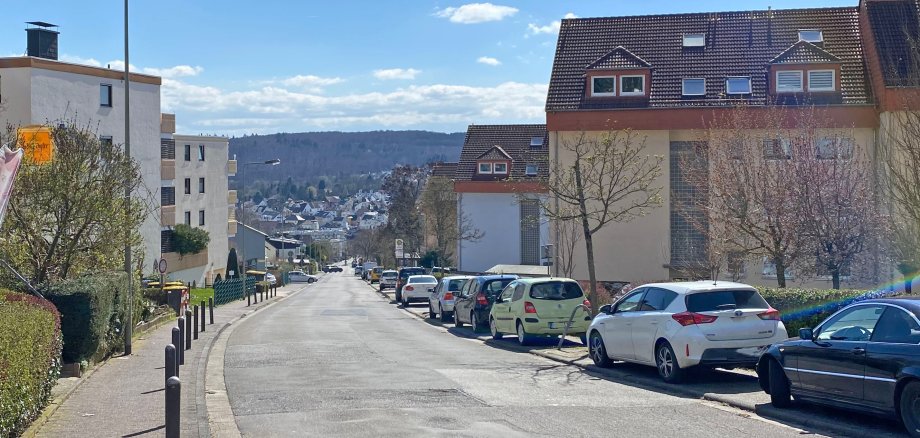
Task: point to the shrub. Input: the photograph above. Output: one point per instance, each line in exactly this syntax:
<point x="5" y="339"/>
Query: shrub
<point x="190" y="240"/>
<point x="800" y="308"/>
<point x="30" y="359"/>
<point x="93" y="309"/>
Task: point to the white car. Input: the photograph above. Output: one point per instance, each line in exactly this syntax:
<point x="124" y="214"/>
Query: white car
<point x="301" y="277"/>
<point x="270" y="278"/>
<point x="388" y="279"/>
<point x="441" y="301"/>
<point x="417" y="288"/>
<point x="675" y="326"/>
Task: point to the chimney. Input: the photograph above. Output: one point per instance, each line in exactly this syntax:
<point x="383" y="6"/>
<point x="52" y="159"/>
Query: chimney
<point x="42" y="40"/>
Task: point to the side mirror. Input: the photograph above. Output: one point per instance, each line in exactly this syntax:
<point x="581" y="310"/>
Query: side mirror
<point x="807" y="334"/>
<point x="499" y="299"/>
<point x="606" y="308"/>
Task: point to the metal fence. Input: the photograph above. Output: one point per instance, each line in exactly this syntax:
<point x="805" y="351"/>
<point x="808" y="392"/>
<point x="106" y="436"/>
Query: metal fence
<point x="226" y="291"/>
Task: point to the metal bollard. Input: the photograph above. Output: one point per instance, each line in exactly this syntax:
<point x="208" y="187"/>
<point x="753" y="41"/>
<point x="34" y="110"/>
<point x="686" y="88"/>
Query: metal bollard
<point x="195" y="322"/>
<point x="176" y="340"/>
<point x="211" y="308"/>
<point x="202" y="316"/>
<point x="181" y="345"/>
<point x="248" y="297"/>
<point x="173" y="399"/>
<point x="171" y="370"/>
<point x="188" y="329"/>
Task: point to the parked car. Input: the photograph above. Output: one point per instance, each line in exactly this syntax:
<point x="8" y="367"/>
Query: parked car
<point x="474" y="302"/>
<point x="270" y="278"/>
<point x="388" y="279"/>
<point x="358" y="271"/>
<point x="332" y="268"/>
<point x="404" y="274"/>
<point x="301" y="277"/>
<point x="676" y="326"/>
<point x="417" y="288"/>
<point x="366" y="272"/>
<point x="866" y="358"/>
<point x="374" y="275"/>
<point x="532" y="307"/>
<point x="440" y="272"/>
<point x="441" y="301"/>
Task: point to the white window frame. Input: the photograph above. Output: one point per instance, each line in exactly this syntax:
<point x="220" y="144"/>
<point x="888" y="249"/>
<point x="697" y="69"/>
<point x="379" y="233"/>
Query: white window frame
<point x="631" y="93"/>
<point x="833" y="86"/>
<point x="820" y="35"/>
<point x="594" y="93"/>
<point x="730" y="78"/>
<point x="480" y="170"/>
<point x="790" y="90"/>
<point x="531" y="170"/>
<point x="683" y="86"/>
<point x="693" y="38"/>
<point x="496" y="171"/>
<point x="536" y="141"/>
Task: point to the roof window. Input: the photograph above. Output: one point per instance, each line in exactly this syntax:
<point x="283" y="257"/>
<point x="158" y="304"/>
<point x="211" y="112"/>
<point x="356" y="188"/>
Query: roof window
<point x="694" y="40"/>
<point x="536" y="141"/>
<point x="738" y="85"/>
<point x="694" y="87"/>
<point x="811" y="35"/>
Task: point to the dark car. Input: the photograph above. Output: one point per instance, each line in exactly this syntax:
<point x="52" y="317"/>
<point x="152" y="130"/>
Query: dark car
<point x="404" y="274"/>
<point x="473" y="303"/>
<point x="866" y="357"/>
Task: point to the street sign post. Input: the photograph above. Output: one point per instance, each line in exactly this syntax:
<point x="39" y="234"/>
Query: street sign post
<point x="399" y="249"/>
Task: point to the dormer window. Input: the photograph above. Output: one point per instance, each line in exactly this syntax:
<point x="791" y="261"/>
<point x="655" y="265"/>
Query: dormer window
<point x="603" y="86"/>
<point x="738" y="85"/>
<point x="694" y="40"/>
<point x="536" y="141"/>
<point x="821" y="80"/>
<point x="485" y="168"/>
<point x="811" y="35"/>
<point x="500" y="168"/>
<point x="694" y="87"/>
<point x="789" y="81"/>
<point x="632" y="85"/>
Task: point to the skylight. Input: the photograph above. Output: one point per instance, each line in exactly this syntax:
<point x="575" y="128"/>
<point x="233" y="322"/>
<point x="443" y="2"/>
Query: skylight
<point x="738" y="85"/>
<point x="694" y="87"/>
<point x="536" y="141"/>
<point x="811" y="35"/>
<point x="694" y="40"/>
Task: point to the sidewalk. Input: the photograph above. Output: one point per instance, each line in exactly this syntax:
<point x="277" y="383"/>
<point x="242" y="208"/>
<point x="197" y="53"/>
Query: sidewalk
<point x="125" y="396"/>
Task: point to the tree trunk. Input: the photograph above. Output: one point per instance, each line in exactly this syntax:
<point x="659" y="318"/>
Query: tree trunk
<point x="589" y="241"/>
<point x="835" y="278"/>
<point x="780" y="272"/>
<point x="908" y="285"/>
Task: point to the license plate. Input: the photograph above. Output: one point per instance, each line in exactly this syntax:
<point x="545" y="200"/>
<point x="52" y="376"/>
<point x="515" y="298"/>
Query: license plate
<point x="555" y="325"/>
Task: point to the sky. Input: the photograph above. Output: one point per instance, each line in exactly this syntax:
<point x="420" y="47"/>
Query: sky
<point x="233" y="67"/>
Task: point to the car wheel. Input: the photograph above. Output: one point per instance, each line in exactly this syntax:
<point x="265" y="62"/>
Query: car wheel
<point x="457" y="322"/>
<point x="310" y="280"/>
<point x="495" y="333"/>
<point x="431" y="313"/>
<point x="910" y="408"/>
<point x="474" y="322"/>
<point x="584" y="339"/>
<point x="445" y="316"/>
<point x="779" y="386"/>
<point x="523" y="337"/>
<point x="666" y="361"/>
<point x="598" y="352"/>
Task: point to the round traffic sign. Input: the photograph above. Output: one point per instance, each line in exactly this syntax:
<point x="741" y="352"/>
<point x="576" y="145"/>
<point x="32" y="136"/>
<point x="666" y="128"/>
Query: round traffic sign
<point x="162" y="266"/>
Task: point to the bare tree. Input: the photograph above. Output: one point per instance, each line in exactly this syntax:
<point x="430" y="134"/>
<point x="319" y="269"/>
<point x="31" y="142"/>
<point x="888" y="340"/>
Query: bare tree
<point x="568" y="236"/>
<point x="438" y="204"/>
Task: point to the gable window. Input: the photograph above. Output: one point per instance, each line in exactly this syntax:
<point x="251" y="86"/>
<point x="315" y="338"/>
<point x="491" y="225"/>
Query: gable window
<point x="788" y="81"/>
<point x="738" y="85"/>
<point x="603" y="86"/>
<point x="694" y="40"/>
<point x="821" y="80"/>
<point x="531" y="170"/>
<point x="188" y="152"/>
<point x="633" y="85"/>
<point x="485" y="168"/>
<point x="811" y="35"/>
<point x="536" y="141"/>
<point x="693" y="87"/>
<point x="500" y="168"/>
<point x="201" y="152"/>
<point x="105" y="95"/>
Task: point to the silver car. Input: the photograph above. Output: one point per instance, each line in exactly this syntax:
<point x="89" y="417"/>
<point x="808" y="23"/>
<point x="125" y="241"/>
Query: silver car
<point x="441" y="301"/>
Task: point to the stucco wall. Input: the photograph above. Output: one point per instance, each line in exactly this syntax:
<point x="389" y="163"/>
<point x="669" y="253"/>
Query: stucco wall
<point x="498" y="217"/>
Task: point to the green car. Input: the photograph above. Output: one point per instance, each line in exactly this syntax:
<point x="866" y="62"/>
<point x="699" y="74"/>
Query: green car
<point x="533" y="307"/>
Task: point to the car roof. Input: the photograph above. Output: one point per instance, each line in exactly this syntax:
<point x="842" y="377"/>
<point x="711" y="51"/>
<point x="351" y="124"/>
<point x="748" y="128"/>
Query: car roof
<point x="532" y="280"/>
<point x="389" y="270"/>
<point x="411" y="267"/>
<point x="496" y="277"/>
<point x="422" y="275"/>
<point x="910" y="303"/>
<point x="457" y="277"/>
<point x="688" y="287"/>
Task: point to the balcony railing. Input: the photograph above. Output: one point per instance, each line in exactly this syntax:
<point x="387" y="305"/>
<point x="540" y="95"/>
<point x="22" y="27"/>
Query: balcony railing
<point x="168" y="215"/>
<point x="167" y="169"/>
<point x="175" y="262"/>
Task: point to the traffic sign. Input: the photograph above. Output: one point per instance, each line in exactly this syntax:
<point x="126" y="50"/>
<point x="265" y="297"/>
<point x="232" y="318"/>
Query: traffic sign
<point x="162" y="266"/>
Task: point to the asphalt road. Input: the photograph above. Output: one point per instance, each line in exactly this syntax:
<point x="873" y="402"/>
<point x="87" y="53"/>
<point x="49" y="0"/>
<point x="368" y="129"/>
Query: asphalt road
<point x="337" y="360"/>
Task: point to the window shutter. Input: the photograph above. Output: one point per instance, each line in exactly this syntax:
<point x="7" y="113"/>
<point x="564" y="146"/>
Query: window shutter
<point x="821" y="80"/>
<point x="789" y="81"/>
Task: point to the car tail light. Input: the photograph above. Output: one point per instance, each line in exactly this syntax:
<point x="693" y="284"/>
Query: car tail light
<point x="586" y="303"/>
<point x="770" y="315"/>
<point x="529" y="308"/>
<point x="409" y="288"/>
<point x="690" y="318"/>
<point x="481" y="299"/>
<point x="448" y="296"/>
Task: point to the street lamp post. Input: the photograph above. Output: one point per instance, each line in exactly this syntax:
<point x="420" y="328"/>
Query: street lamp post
<point x="129" y="323"/>
<point x="240" y="186"/>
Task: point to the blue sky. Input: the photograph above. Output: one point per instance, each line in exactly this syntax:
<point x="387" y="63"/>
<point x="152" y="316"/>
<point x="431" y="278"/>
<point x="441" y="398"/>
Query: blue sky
<point x="234" y="67"/>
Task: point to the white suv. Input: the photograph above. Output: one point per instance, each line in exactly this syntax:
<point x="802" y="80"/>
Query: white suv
<point x="674" y="326"/>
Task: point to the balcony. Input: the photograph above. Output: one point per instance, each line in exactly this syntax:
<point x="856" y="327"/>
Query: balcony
<point x="231" y="197"/>
<point x="175" y="262"/>
<point x="231" y="168"/>
<point x="167" y="169"/>
<point x="231" y="227"/>
<point x="167" y="215"/>
<point x="167" y="123"/>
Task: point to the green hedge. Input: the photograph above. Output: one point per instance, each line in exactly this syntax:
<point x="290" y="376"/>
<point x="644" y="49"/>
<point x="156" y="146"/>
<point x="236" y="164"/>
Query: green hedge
<point x="800" y="308"/>
<point x="30" y="359"/>
<point x="93" y="309"/>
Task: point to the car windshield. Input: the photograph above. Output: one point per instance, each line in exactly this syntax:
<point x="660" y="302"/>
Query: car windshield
<point x="725" y="300"/>
<point x="556" y="291"/>
<point x="456" y="285"/>
<point x="494" y="287"/>
<point x="423" y="279"/>
<point x="406" y="273"/>
<point x="388" y="275"/>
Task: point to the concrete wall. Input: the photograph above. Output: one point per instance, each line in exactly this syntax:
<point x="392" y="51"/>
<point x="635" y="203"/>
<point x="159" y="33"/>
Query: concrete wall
<point x="498" y="216"/>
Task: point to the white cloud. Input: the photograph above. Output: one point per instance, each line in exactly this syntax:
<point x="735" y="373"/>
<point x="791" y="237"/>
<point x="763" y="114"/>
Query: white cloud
<point x="488" y="60"/>
<point x="551" y="28"/>
<point x="310" y="81"/>
<point x="476" y="13"/>
<point x="396" y="73"/>
<point x="73" y="59"/>
<point x="172" y="72"/>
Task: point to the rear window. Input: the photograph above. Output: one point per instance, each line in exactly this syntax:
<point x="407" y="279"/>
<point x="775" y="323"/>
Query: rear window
<point x="556" y="291"/>
<point x="725" y="300"/>
<point x="388" y="275"/>
<point x="405" y="273"/>
<point x="494" y="287"/>
<point x="456" y="285"/>
<point x="423" y="279"/>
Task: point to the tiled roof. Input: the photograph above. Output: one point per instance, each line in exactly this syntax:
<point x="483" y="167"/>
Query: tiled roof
<point x="619" y="58"/>
<point x="894" y="24"/>
<point x="804" y="52"/>
<point x="495" y="153"/>
<point x="514" y="140"/>
<point x="445" y="170"/>
<point x="737" y="44"/>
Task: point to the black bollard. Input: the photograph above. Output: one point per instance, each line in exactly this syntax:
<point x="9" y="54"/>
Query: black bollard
<point x="176" y="340"/>
<point x="189" y="322"/>
<point x="195" y="322"/>
<point x="211" y="308"/>
<point x="202" y="316"/>
<point x="170" y="362"/>
<point x="248" y="297"/>
<point x="180" y="347"/>
<point x="173" y="399"/>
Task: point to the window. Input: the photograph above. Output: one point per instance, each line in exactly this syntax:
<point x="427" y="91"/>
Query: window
<point x="531" y="170"/>
<point x="485" y="168"/>
<point x="106" y="140"/>
<point x="725" y="300"/>
<point x="200" y="185"/>
<point x="632" y="85"/>
<point x="556" y="291"/>
<point x="829" y="148"/>
<point x="738" y="85"/>
<point x="518" y="292"/>
<point x="530" y="232"/>
<point x="494" y="287"/>
<point x="788" y="81"/>
<point x="821" y="80"/>
<point x="188" y="186"/>
<point x="456" y="285"/>
<point x="167" y="241"/>
<point x="811" y="35"/>
<point x="896" y="327"/>
<point x="168" y="196"/>
<point x="201" y="152"/>
<point x="694" y="87"/>
<point x="105" y="95"/>
<point x="694" y="40"/>
<point x="201" y="218"/>
<point x="188" y="218"/>
<point x="657" y="299"/>
<point x="536" y="141"/>
<point x="630" y="303"/>
<point x="603" y="86"/>
<point x="500" y="168"/>
<point x="777" y="149"/>
<point x="853" y="324"/>
<point x="188" y="152"/>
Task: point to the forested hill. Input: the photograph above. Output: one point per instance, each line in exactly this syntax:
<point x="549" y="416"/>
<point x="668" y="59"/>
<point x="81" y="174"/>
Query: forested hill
<point x="307" y="155"/>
